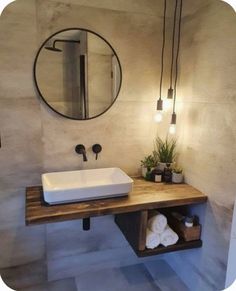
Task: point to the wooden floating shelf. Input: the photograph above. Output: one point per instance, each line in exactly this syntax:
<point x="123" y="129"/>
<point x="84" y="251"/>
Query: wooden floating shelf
<point x="131" y="212"/>
<point x="145" y="196"/>
<point x="180" y="246"/>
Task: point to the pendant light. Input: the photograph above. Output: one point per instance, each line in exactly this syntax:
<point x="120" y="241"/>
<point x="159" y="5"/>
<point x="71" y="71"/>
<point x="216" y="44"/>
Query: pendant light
<point x="170" y="90"/>
<point x="158" y="115"/>
<point x="172" y="128"/>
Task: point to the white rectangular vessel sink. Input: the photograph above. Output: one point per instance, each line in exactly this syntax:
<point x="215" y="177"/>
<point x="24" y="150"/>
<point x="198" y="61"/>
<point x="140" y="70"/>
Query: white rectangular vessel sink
<point x="72" y="186"/>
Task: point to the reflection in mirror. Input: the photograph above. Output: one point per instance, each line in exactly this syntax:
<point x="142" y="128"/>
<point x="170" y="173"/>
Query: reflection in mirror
<point x="77" y="73"/>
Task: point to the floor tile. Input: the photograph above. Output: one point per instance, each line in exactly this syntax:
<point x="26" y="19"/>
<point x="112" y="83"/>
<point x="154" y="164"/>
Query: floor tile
<point x="165" y="277"/>
<point x="62" y="285"/>
<point x="130" y="278"/>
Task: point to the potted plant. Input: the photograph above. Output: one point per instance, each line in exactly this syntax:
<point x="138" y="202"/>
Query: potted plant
<point x="164" y="152"/>
<point x="148" y="164"/>
<point x="177" y="175"/>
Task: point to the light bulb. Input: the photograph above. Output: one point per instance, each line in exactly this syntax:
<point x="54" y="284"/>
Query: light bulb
<point x="158" y="116"/>
<point x="172" y="129"/>
<point x="167" y="104"/>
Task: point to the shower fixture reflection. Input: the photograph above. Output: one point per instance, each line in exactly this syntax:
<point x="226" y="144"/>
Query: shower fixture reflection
<point x="55" y="49"/>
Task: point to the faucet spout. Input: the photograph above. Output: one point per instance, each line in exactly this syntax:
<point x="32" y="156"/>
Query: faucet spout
<point x="80" y="150"/>
<point x="85" y="159"/>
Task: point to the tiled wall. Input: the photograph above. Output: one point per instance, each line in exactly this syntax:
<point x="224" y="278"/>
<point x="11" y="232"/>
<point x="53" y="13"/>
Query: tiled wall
<point x="207" y="104"/>
<point x="36" y="140"/>
<point x="21" y="130"/>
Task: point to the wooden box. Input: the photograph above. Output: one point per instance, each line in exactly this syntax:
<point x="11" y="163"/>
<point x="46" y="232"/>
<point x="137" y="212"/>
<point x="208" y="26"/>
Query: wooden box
<point x="186" y="233"/>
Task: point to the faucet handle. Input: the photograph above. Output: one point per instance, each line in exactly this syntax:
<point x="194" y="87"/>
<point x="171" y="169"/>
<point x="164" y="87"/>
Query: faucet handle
<point x="97" y="148"/>
<point x="79" y="149"/>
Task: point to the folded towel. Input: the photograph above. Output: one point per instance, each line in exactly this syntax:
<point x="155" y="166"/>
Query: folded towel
<point x="157" y="223"/>
<point x="152" y="239"/>
<point x="169" y="237"/>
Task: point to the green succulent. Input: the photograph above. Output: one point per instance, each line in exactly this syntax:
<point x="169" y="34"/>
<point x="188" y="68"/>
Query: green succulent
<point x="178" y="170"/>
<point x="165" y="150"/>
<point x="149" y="162"/>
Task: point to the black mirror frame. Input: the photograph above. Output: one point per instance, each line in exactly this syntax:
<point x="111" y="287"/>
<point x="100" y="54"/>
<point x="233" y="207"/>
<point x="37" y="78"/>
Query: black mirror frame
<point x="37" y="86"/>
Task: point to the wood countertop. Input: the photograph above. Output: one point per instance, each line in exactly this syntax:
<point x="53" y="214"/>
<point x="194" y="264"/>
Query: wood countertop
<point x="144" y="196"/>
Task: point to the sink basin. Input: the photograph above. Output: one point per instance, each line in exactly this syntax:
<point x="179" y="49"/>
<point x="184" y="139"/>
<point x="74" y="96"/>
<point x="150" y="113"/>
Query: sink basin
<point x="72" y="186"/>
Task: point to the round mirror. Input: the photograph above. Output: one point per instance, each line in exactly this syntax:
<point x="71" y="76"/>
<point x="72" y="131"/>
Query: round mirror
<point x="77" y="73"/>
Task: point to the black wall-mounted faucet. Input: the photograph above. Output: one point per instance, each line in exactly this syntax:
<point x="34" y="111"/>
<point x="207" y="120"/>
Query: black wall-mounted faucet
<point x="97" y="148"/>
<point x="80" y="150"/>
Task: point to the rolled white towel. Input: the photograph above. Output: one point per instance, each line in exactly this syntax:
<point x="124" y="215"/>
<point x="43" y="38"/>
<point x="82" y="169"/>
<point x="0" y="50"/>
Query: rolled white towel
<point x="152" y="239"/>
<point x="169" y="237"/>
<point x="157" y="223"/>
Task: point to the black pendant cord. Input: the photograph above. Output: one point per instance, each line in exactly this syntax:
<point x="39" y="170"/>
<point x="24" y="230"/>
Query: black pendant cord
<point x="163" y="50"/>
<point x="177" y="54"/>
<point x="173" y="44"/>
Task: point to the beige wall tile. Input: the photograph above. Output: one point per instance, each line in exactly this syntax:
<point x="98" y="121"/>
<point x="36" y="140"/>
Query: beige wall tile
<point x="207" y="135"/>
<point x="17" y="49"/>
<point x="21" y="245"/>
<point x="12" y="208"/>
<point x="21" y="152"/>
<point x="150" y="7"/>
<point x="35" y="139"/>
<point x="122" y="121"/>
